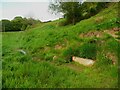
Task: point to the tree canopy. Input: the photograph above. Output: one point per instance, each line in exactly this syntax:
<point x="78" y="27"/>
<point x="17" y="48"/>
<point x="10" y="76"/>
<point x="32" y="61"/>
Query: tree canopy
<point x="71" y="10"/>
<point x="18" y="24"/>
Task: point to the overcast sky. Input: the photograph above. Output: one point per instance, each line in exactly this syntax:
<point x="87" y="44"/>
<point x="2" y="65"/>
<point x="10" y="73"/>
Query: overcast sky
<point x="38" y="10"/>
<point x="29" y="8"/>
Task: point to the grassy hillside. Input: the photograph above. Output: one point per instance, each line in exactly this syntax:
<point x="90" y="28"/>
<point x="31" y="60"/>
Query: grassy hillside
<point x="49" y="48"/>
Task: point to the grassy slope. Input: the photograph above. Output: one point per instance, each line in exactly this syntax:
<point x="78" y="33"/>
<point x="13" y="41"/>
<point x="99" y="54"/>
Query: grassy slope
<point x="38" y="69"/>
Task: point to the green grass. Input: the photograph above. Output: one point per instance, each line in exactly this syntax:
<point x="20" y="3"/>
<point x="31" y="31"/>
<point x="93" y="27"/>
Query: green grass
<point x="38" y="68"/>
<point x="0" y="61"/>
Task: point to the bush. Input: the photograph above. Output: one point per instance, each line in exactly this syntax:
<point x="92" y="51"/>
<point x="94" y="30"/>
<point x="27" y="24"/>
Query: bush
<point x="88" y="50"/>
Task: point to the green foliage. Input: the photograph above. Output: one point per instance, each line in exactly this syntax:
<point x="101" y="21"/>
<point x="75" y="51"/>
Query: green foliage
<point x="68" y="54"/>
<point x="62" y="23"/>
<point x="18" y="24"/>
<point x="108" y="24"/>
<point x="23" y="27"/>
<point x="6" y="25"/>
<point x="71" y="10"/>
<point x="92" y="11"/>
<point x="103" y="62"/>
<point x="48" y="56"/>
<point x="88" y="50"/>
<point x="75" y="11"/>
<point x="101" y="5"/>
<point x="113" y="46"/>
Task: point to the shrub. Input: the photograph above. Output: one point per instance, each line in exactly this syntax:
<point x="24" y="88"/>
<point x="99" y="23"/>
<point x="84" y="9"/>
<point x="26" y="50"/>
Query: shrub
<point x="88" y="50"/>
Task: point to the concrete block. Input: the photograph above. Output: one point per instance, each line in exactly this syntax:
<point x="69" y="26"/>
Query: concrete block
<point x="83" y="61"/>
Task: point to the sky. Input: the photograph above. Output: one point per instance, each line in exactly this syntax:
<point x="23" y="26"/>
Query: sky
<point x="38" y="10"/>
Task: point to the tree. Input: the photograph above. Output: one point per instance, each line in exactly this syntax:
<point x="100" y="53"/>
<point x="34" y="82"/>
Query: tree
<point x="71" y="10"/>
<point x="88" y="9"/>
<point x="6" y="25"/>
<point x="17" y="23"/>
<point x="92" y="8"/>
<point x="101" y="5"/>
<point x="32" y="21"/>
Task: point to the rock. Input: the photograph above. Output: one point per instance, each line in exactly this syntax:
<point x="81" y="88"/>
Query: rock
<point x="85" y="62"/>
<point x="54" y="57"/>
<point x="22" y="51"/>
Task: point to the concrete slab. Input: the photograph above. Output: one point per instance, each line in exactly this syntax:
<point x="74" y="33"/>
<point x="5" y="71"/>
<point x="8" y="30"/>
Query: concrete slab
<point x="83" y="61"/>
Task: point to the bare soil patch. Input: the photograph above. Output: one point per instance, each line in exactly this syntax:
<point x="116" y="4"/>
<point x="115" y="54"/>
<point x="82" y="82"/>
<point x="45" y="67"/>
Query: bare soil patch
<point x="113" y="32"/>
<point x="58" y="46"/>
<point x="99" y="19"/>
<point x="112" y="57"/>
<point x="92" y="34"/>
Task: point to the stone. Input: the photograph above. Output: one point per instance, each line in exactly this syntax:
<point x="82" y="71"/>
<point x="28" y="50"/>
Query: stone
<point x="54" y="57"/>
<point x="85" y="62"/>
<point x="22" y="51"/>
